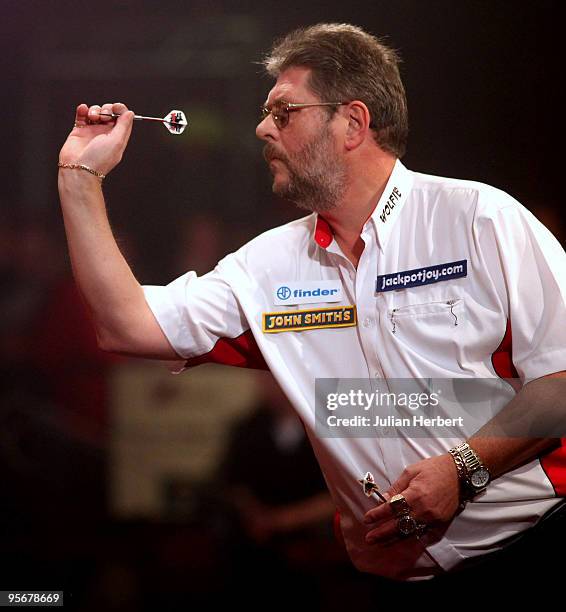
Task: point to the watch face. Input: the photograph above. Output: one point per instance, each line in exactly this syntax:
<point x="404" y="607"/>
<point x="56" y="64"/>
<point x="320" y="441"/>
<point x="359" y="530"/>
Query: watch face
<point x="480" y="478"/>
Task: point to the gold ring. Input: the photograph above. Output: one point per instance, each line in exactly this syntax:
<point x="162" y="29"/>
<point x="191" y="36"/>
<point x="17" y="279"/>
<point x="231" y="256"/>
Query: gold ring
<point x="399" y="505"/>
<point x="79" y="125"/>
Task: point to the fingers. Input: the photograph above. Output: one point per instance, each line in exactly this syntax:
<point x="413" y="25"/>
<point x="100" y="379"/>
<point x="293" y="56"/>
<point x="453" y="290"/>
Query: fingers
<point x="81" y="115"/>
<point x="402" y="482"/>
<point x="383" y="511"/>
<point x="106" y="113"/>
<point x="94" y="114"/>
<point x="116" y="114"/>
<point x="119" y="108"/>
<point x="99" y="114"/>
<point x="379" y="514"/>
<point x="383" y="534"/>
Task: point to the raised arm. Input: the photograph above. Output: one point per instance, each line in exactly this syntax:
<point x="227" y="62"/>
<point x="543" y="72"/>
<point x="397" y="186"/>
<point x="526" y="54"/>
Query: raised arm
<point x="124" y="322"/>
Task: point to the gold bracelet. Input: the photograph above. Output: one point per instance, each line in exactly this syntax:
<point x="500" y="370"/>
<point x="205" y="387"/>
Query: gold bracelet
<point x="83" y="167"/>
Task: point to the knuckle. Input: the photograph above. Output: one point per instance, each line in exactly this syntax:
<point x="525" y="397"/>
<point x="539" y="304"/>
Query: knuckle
<point x="418" y="491"/>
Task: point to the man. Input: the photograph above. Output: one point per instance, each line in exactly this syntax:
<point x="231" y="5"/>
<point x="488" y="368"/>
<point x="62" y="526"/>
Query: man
<point x="414" y="276"/>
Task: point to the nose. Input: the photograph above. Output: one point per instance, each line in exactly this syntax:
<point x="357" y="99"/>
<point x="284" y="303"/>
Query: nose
<point x="266" y="129"/>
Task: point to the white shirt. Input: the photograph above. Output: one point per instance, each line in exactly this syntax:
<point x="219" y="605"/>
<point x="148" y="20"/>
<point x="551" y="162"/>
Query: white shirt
<point x="505" y="287"/>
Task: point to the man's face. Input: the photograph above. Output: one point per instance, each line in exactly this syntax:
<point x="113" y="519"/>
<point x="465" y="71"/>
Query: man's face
<point x="307" y="169"/>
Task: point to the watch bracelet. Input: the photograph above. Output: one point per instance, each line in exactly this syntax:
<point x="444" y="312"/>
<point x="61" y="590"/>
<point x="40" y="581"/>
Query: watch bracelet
<point x="470" y="459"/>
<point x="465" y="490"/>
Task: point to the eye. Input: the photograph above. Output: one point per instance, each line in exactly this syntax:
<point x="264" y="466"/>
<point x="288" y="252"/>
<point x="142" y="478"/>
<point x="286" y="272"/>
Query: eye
<point x="279" y="113"/>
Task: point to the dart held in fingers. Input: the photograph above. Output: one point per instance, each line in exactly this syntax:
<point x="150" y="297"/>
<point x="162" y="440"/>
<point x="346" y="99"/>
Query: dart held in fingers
<point x="175" y="121"/>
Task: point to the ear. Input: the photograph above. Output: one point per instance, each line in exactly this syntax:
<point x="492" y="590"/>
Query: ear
<point x="358" y="124"/>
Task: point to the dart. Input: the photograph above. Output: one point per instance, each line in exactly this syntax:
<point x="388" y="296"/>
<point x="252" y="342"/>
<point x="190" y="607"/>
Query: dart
<point x="175" y="121"/>
<point x="370" y="488"/>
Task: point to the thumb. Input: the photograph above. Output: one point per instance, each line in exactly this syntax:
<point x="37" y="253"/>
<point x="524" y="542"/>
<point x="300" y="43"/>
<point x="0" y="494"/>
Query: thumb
<point x="123" y="127"/>
<point x="399" y="485"/>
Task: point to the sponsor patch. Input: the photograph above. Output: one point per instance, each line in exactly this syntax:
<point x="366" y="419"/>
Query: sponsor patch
<point x="307" y="292"/>
<point x="421" y="276"/>
<point x="318" y="318"/>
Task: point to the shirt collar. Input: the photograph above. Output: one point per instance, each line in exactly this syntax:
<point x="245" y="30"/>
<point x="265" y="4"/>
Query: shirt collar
<point x="386" y="212"/>
<point x="391" y="202"/>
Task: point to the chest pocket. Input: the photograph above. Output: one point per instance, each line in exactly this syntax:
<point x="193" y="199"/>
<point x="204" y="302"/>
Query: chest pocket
<point x="430" y="333"/>
<point x="435" y="317"/>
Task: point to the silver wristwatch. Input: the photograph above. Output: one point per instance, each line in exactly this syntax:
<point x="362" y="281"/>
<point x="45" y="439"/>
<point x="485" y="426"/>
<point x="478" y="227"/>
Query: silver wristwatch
<point x="472" y="473"/>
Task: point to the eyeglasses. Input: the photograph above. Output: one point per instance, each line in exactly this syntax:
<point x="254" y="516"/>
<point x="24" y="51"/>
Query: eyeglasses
<point x="280" y="110"/>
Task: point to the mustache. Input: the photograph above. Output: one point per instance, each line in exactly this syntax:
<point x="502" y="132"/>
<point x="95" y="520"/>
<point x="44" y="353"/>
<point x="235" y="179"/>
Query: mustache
<point x="270" y="152"/>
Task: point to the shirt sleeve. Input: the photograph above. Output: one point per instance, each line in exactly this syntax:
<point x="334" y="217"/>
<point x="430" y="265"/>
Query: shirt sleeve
<point x="201" y="318"/>
<point x="528" y="267"/>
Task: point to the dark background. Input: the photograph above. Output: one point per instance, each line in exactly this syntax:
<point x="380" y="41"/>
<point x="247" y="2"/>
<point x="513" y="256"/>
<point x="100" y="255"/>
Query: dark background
<point x="482" y="81"/>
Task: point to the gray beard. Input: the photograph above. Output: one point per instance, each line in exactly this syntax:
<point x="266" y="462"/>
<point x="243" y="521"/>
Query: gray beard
<point x="313" y="191"/>
<point x="317" y="178"/>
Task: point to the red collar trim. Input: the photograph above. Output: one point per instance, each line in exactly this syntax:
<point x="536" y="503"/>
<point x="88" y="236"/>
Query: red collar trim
<point x="323" y="233"/>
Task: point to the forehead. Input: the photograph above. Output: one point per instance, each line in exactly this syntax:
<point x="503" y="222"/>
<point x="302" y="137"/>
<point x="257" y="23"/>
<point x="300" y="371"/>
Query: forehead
<point x="291" y="86"/>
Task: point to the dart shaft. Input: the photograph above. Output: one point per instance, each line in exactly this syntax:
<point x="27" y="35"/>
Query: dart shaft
<point x="379" y="496"/>
<point x="141" y="118"/>
<point x="136" y="117"/>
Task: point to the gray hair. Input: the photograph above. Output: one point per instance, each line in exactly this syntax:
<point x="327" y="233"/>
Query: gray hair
<point x="349" y="64"/>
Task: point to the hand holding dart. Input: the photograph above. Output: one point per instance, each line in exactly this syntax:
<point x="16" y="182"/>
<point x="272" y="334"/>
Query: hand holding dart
<point x="100" y="136"/>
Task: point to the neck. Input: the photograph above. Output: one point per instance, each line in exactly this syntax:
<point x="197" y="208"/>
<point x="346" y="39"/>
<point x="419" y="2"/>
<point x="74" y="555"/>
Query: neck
<point x="360" y="200"/>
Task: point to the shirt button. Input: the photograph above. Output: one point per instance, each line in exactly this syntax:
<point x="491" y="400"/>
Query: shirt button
<point x="367" y="322"/>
